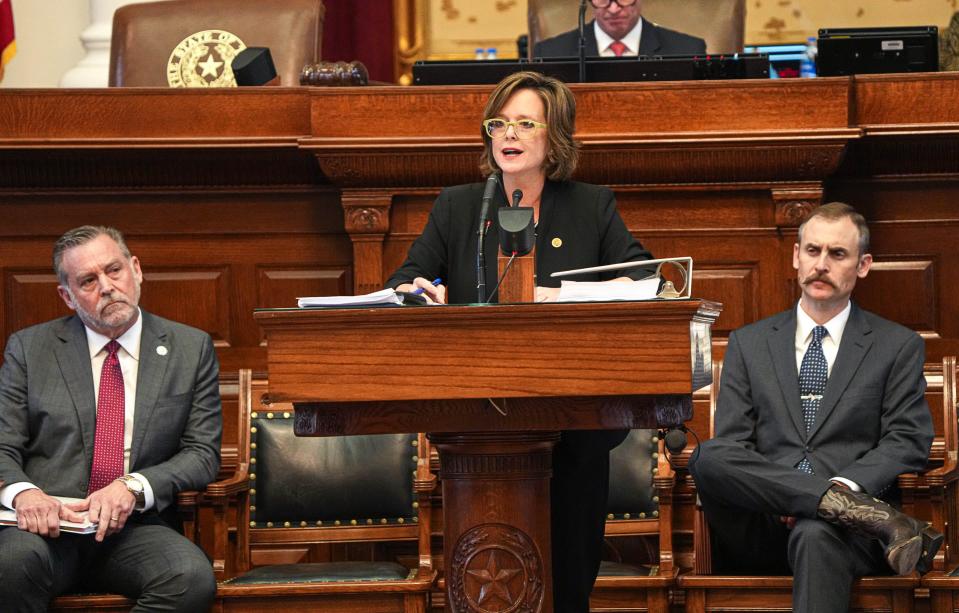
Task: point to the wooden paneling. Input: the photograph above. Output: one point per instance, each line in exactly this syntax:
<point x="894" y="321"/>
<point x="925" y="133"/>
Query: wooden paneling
<point x="228" y="195"/>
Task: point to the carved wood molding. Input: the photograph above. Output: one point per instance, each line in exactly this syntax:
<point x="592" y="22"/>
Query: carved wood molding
<point x="496" y="565"/>
<point x="620" y="162"/>
<point x="793" y="204"/>
<point x="366" y="212"/>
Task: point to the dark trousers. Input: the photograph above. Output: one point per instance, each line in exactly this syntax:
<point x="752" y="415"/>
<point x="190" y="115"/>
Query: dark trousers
<point x="578" y="495"/>
<point x="148" y="562"/>
<point x="744" y="495"/>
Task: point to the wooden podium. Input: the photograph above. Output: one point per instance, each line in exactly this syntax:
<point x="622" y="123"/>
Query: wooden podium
<point x="492" y="385"/>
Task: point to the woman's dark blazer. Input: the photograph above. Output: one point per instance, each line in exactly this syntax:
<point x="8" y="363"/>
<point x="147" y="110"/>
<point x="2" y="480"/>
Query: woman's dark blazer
<point x="578" y="227"/>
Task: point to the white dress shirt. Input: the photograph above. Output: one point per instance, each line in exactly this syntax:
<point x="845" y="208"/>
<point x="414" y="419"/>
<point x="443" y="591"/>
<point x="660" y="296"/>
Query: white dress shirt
<point x="830" y="348"/>
<point x="129" y="357"/>
<point x="631" y="40"/>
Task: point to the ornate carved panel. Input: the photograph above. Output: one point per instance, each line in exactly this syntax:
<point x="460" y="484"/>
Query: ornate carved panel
<point x="496" y="567"/>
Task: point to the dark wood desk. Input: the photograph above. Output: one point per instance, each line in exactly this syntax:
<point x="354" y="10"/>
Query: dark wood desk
<point x="493" y="386"/>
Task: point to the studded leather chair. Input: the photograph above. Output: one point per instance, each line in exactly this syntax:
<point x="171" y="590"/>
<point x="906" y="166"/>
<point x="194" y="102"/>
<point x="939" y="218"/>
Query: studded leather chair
<point x="293" y="494"/>
<point x="146" y="35"/>
<point x="639" y="507"/>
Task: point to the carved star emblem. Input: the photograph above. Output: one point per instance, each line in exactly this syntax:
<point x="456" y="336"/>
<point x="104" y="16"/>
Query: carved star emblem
<point x="209" y="66"/>
<point x="495" y="580"/>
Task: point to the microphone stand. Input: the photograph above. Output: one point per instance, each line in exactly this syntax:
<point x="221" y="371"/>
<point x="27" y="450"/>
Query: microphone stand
<point x="582" y="41"/>
<point x="488" y="193"/>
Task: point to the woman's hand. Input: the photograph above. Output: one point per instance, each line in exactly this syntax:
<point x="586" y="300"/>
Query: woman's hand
<point x="432" y="293"/>
<point x="546" y="294"/>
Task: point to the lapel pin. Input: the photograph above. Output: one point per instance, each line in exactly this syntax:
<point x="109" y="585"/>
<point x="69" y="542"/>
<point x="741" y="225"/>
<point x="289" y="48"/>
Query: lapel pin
<point x="161" y="350"/>
<point x="557" y="242"/>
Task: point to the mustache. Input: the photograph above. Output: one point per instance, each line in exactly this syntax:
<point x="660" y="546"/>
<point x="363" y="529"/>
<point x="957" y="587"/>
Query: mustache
<point x="818" y="277"/>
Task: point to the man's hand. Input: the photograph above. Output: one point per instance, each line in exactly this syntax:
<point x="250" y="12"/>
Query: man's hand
<point x="110" y="506"/>
<point x="41" y="514"/>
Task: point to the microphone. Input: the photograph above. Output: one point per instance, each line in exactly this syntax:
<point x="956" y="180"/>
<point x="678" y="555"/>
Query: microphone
<point x="517" y="196"/>
<point x="582" y="41"/>
<point x="674" y="437"/>
<point x="488" y="193"/>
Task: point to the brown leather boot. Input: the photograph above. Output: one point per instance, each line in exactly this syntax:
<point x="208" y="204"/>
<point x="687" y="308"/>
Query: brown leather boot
<point x="909" y="544"/>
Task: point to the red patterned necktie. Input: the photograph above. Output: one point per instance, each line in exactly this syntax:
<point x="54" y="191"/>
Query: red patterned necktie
<point x="618" y="47"/>
<point x="108" y="440"/>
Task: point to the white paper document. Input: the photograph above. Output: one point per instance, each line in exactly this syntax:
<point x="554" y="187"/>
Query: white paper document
<point x="384" y="296"/>
<point x="8" y="517"/>
<point x="597" y="291"/>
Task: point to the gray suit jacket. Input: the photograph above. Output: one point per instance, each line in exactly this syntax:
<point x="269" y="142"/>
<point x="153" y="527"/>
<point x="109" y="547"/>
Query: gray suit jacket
<point x="48" y="409"/>
<point x="655" y="40"/>
<point x="873" y="423"/>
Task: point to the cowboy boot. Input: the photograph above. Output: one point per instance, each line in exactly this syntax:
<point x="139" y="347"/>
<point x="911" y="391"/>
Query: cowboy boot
<point x="909" y="544"/>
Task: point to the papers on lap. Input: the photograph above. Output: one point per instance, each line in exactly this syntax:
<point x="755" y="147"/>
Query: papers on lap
<point x="589" y="291"/>
<point x="8" y="517"/>
<point x="384" y="296"/>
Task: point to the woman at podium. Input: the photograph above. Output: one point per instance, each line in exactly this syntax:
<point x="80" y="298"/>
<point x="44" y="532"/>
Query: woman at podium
<point x="527" y="132"/>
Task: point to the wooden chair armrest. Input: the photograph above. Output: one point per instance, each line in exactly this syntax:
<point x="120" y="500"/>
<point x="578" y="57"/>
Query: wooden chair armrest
<point x="947" y="473"/>
<point x="221" y="491"/>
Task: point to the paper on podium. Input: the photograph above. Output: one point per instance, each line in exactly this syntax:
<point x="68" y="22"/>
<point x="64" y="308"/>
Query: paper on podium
<point x="384" y="296"/>
<point x="8" y="517"/>
<point x="594" y="291"/>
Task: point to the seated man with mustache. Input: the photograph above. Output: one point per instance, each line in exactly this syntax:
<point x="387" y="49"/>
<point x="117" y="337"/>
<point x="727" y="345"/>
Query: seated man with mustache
<point x="820" y="409"/>
<point x="116" y="407"/>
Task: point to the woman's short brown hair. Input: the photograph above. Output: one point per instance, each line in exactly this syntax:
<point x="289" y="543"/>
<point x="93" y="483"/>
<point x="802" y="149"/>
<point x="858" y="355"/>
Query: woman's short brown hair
<point x="563" y="151"/>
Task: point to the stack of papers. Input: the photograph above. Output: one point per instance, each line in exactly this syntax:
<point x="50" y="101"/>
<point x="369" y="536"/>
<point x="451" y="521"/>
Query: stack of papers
<point x="598" y="291"/>
<point x="8" y="517"/>
<point x="384" y="296"/>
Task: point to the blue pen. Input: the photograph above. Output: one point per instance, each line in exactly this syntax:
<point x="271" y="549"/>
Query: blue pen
<point x="420" y="290"/>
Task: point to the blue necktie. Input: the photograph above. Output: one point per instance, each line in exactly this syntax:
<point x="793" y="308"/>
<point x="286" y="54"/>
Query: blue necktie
<point x="812" y="384"/>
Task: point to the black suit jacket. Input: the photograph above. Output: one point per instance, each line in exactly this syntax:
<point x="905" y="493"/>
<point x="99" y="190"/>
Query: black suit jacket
<point x="582" y="217"/>
<point x="655" y="40"/>
<point x="873" y="423"/>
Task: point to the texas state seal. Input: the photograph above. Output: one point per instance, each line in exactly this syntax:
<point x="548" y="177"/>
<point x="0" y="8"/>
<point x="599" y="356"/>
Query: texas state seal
<point x="203" y="59"/>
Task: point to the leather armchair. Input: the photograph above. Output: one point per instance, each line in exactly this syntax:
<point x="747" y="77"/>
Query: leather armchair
<point x="721" y="23"/>
<point x="145" y="35"/>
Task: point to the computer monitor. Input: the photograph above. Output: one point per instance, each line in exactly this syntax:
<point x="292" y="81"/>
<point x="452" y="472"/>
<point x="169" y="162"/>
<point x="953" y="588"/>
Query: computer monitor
<point x="847" y="51"/>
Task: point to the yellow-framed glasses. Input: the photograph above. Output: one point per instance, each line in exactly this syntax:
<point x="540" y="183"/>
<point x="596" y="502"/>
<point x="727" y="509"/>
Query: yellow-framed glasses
<point x="522" y="128"/>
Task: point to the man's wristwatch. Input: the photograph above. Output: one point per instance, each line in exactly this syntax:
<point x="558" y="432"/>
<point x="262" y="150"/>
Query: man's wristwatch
<point x="135" y="487"/>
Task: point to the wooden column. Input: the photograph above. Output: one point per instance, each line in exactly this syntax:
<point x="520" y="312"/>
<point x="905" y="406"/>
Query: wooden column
<point x="366" y="215"/>
<point x="496" y="519"/>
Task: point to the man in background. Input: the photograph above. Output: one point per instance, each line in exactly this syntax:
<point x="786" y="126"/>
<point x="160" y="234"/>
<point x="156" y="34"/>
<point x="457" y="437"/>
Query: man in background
<point x="620" y="30"/>
<point x="120" y="409"/>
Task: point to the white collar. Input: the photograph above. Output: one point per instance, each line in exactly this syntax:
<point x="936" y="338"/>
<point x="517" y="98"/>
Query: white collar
<point x="129" y="340"/>
<point x="631" y="40"/>
<point x="835" y="326"/>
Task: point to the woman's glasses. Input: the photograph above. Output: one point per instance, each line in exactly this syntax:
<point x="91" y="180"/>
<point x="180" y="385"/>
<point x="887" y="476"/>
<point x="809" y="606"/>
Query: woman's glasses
<point x="522" y="128"/>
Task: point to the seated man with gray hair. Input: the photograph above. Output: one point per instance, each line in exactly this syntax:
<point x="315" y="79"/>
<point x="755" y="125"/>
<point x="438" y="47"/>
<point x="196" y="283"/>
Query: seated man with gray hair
<point x="118" y="408"/>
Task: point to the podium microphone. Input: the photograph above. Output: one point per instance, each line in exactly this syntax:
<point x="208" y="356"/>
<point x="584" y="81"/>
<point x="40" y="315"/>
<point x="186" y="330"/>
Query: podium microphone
<point x="484" y="220"/>
<point x="582" y="41"/>
<point x="517" y="196"/>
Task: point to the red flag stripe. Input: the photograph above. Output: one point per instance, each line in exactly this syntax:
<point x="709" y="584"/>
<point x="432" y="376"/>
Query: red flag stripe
<point x="8" y="45"/>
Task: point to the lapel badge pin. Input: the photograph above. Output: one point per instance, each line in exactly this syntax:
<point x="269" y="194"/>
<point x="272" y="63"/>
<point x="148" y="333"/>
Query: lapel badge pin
<point x="557" y="242"/>
<point x="161" y="350"/>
